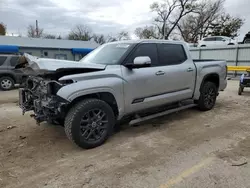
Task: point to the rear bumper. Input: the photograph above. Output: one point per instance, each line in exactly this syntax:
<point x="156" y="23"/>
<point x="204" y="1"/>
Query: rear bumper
<point x="223" y="85"/>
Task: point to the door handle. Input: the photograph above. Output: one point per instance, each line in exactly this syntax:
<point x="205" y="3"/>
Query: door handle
<point x="159" y="73"/>
<point x="190" y="69"/>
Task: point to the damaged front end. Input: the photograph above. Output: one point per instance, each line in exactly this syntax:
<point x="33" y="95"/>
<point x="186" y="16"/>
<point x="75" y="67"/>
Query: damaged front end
<point x="39" y="95"/>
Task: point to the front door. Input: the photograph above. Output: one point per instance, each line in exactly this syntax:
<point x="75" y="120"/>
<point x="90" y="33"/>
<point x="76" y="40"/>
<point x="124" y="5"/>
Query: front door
<point x="141" y="83"/>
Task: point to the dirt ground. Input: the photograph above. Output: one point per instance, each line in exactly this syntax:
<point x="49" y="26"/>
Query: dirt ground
<point x="189" y="149"/>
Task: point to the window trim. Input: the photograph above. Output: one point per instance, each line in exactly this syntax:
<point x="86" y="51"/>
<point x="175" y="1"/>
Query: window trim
<point x="185" y="54"/>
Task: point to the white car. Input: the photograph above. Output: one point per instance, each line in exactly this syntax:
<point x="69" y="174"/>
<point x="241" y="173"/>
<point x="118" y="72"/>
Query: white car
<point x="216" y="41"/>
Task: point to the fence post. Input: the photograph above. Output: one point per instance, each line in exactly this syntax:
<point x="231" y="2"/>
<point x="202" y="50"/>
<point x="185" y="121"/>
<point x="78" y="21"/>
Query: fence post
<point x="237" y="59"/>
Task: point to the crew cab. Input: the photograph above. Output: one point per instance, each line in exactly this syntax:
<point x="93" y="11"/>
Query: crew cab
<point x="118" y="80"/>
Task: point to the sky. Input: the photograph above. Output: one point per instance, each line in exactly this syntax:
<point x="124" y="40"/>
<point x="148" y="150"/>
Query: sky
<point x="106" y="17"/>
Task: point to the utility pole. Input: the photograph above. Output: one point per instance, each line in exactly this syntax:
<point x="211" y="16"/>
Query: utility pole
<point x="37" y="29"/>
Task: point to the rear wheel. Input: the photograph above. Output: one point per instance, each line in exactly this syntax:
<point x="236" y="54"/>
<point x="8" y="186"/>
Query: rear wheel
<point x="89" y="123"/>
<point x="208" y="95"/>
<point x="6" y="83"/>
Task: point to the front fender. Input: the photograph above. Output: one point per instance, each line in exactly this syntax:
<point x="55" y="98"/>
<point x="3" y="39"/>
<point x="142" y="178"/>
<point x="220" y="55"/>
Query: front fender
<point x="86" y="87"/>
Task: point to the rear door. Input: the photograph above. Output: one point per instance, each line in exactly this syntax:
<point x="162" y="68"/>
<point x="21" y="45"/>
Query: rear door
<point x="178" y="80"/>
<point x="210" y="41"/>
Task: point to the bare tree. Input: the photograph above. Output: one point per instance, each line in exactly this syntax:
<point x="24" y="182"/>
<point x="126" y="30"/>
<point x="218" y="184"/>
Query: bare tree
<point x="111" y="38"/>
<point x="49" y="36"/>
<point x="80" y="32"/>
<point x="170" y="13"/>
<point x="99" y="39"/>
<point x="32" y="32"/>
<point x="2" y="29"/>
<point x="226" y="25"/>
<point x="197" y="25"/>
<point x="123" y="35"/>
<point x="147" y="32"/>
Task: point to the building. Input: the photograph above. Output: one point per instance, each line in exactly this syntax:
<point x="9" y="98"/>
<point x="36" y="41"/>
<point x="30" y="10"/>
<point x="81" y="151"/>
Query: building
<point x="47" y="48"/>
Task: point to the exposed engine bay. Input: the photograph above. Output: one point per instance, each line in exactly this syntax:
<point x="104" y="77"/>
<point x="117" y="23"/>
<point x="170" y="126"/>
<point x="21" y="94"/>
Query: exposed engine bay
<point x="40" y="96"/>
<point x="42" y="83"/>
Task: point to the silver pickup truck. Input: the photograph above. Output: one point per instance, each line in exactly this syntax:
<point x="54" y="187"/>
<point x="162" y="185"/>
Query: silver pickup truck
<point x="135" y="80"/>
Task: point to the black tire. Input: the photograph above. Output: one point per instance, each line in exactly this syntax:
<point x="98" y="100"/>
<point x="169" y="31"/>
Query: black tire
<point x="208" y="95"/>
<point x="6" y="83"/>
<point x="100" y="128"/>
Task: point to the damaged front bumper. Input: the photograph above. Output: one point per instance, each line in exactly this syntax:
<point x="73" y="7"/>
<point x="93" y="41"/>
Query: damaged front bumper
<point x="48" y="108"/>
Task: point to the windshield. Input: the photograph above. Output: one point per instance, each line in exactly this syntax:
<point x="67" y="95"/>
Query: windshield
<point x="108" y="54"/>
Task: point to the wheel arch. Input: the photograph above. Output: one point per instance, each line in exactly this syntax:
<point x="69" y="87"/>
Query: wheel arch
<point x="212" y="77"/>
<point x="9" y="75"/>
<point x="108" y="97"/>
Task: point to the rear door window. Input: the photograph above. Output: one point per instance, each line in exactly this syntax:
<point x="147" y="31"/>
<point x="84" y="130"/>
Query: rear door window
<point x="219" y="39"/>
<point x="171" y="54"/>
<point x="2" y="60"/>
<point x="13" y="61"/>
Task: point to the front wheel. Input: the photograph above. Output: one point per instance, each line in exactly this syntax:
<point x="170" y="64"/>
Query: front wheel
<point x="6" y="83"/>
<point x="208" y="95"/>
<point x="89" y="123"/>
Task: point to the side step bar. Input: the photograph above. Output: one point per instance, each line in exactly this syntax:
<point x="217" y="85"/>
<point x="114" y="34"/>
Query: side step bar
<point x="139" y="120"/>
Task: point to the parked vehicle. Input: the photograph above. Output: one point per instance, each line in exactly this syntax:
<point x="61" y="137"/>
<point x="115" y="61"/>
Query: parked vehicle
<point x="126" y="79"/>
<point x="244" y="82"/>
<point x="9" y="76"/>
<point x="246" y="39"/>
<point x="216" y="41"/>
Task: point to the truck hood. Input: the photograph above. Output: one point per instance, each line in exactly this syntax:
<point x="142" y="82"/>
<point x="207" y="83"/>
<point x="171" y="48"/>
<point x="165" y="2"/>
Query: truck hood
<point x="54" y="68"/>
<point x="53" y="64"/>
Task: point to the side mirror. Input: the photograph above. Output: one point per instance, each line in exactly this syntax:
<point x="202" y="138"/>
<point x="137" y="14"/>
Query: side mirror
<point x="224" y="40"/>
<point x="140" y="62"/>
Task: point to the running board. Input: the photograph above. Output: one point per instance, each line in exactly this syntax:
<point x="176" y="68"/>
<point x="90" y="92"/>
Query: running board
<point x="139" y="120"/>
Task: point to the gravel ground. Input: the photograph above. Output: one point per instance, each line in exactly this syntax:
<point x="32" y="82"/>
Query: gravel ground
<point x="189" y="149"/>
